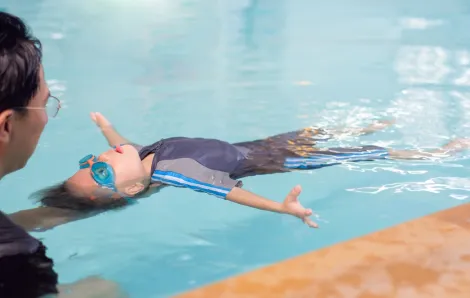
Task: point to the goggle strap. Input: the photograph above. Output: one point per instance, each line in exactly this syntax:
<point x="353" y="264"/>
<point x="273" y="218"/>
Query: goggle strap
<point x="85" y="164"/>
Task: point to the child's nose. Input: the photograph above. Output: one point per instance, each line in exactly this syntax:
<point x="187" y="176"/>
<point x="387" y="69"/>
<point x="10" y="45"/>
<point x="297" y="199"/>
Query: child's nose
<point x="118" y="149"/>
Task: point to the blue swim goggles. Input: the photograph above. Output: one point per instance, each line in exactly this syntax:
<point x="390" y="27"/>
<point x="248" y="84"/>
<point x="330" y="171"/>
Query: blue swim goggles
<point x="101" y="172"/>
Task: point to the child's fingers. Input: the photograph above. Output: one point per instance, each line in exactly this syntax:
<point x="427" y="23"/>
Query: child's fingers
<point x="310" y="223"/>
<point x="93" y="116"/>
<point x="99" y="119"/>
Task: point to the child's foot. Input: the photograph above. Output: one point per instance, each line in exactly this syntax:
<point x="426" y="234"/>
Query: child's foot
<point x="378" y="125"/>
<point x="458" y="144"/>
<point x="293" y="207"/>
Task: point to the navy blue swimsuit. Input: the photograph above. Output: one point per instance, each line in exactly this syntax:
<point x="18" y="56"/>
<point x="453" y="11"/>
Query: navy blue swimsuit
<point x="213" y="166"/>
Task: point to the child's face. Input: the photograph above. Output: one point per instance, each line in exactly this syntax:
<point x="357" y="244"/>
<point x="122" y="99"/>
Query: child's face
<point x="122" y="169"/>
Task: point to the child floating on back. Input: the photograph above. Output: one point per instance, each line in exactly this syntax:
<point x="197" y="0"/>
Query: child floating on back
<point x="113" y="178"/>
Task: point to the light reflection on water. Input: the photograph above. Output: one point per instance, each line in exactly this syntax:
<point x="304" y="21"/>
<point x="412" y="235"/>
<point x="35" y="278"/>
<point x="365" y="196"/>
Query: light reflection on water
<point x="434" y="185"/>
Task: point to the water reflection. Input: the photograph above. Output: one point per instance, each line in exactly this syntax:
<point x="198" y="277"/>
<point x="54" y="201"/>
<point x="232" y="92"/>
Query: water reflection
<point x="433" y="185"/>
<point x="422" y="65"/>
<point x="170" y="50"/>
<point x="254" y="54"/>
<point x="421" y="117"/>
<point x="419" y="23"/>
<point x="424" y="106"/>
<point x="463" y="60"/>
<point x="463" y="103"/>
<point x="248" y="15"/>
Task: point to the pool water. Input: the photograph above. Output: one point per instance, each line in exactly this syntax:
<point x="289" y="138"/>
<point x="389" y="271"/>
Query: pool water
<point x="241" y="70"/>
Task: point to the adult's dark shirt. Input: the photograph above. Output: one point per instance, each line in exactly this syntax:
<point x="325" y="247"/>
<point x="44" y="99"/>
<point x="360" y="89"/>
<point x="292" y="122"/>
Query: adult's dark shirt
<point x="14" y="240"/>
<point x="25" y="270"/>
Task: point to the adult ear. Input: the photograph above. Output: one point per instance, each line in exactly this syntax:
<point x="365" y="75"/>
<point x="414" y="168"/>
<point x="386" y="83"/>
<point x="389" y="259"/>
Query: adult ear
<point x="134" y="189"/>
<point x="5" y="125"/>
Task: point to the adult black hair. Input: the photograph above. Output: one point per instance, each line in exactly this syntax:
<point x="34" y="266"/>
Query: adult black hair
<point x="20" y="63"/>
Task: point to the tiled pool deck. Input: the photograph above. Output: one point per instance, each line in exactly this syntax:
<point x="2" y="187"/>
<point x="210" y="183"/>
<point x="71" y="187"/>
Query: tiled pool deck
<point x="425" y="257"/>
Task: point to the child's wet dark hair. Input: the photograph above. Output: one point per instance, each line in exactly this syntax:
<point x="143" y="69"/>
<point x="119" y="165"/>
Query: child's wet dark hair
<point x="60" y="196"/>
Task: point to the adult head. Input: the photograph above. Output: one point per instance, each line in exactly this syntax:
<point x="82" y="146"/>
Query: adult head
<point x="25" y="101"/>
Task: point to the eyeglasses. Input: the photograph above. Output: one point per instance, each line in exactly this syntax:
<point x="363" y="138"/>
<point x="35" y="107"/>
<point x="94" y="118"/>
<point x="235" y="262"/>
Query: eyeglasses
<point x="52" y="107"/>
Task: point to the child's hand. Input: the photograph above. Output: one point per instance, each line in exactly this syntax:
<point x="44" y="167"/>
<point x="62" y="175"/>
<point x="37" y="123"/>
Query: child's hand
<point x="293" y="207"/>
<point x="112" y="136"/>
<point x="100" y="120"/>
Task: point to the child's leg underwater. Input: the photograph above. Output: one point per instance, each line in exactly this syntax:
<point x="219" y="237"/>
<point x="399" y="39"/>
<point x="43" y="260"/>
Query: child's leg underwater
<point x="447" y="150"/>
<point x="332" y="156"/>
<point x="311" y="135"/>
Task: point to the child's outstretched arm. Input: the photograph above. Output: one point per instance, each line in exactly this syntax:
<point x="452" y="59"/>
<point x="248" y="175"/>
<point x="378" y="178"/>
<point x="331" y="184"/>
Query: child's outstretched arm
<point x="111" y="135"/>
<point x="44" y="218"/>
<point x="41" y="219"/>
<point x="291" y="204"/>
<point x="191" y="174"/>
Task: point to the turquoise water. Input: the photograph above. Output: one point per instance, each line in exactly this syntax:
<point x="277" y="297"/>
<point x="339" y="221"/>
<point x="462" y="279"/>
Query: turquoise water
<point x="240" y="70"/>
